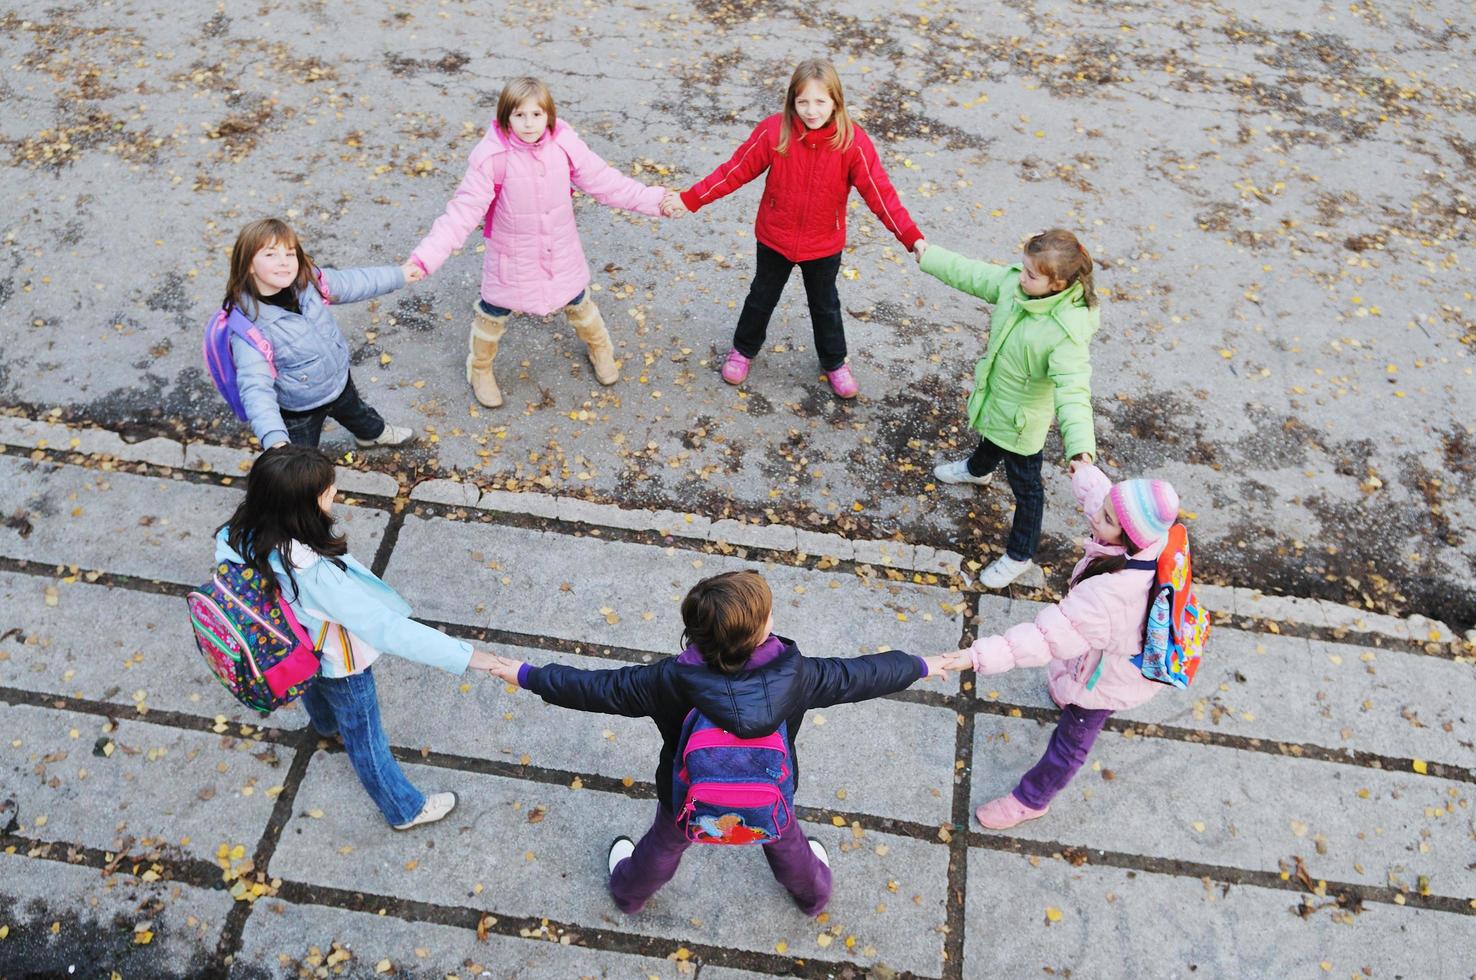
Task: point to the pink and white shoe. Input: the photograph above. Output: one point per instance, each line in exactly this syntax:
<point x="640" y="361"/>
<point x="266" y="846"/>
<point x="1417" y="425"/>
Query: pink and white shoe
<point x="735" y="367"/>
<point x="1006" y="812"/>
<point x="842" y="383"/>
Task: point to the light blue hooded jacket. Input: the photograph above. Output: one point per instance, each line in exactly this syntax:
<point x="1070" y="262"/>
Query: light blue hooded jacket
<point x="356" y="599"/>
<point x="311" y="353"/>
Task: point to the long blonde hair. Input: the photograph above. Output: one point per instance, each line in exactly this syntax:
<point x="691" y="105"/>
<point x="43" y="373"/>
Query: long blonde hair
<point x="253" y="238"/>
<point x="822" y="71"/>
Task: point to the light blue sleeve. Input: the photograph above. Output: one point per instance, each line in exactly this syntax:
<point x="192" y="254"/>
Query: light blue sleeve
<point x="357" y="285"/>
<point x="326" y="587"/>
<point x="258" y="393"/>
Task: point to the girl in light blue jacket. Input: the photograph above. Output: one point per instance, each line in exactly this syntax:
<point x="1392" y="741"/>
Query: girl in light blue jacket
<point x="277" y="287"/>
<point x="283" y="530"/>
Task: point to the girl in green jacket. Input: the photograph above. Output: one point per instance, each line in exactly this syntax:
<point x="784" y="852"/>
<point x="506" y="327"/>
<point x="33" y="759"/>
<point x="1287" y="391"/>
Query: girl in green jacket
<point x="1045" y="312"/>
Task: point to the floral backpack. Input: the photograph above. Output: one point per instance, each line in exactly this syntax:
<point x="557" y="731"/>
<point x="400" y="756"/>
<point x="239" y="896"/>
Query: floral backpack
<point x="732" y="790"/>
<point x="251" y="640"/>
<point x="1177" y="627"/>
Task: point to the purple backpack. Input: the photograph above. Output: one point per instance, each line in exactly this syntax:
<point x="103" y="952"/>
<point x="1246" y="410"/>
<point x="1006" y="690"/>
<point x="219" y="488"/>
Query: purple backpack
<point x="732" y="790"/>
<point x="219" y="361"/>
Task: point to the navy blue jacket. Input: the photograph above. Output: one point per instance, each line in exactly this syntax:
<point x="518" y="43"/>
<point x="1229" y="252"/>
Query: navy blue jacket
<point x="750" y="703"/>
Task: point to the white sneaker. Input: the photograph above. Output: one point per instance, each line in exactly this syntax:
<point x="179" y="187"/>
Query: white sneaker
<point x="437" y="805"/>
<point x="818" y="849"/>
<point x="957" y="471"/>
<point x="620" y="849"/>
<point x="1002" y="571"/>
<point x="393" y="435"/>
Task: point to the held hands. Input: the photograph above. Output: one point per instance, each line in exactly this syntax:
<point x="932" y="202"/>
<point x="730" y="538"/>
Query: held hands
<point x="413" y="272"/>
<point x="939" y="664"/>
<point x="503" y="668"/>
<point x="918" y="248"/>
<point x="957" y="660"/>
<point x="1079" y="461"/>
<point x="672" y="206"/>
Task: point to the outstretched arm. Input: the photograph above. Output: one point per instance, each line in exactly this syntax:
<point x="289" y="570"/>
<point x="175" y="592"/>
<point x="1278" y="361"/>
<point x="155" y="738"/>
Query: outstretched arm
<point x="466" y="210"/>
<point x="870" y="178"/>
<point x="840" y="680"/>
<point x="751" y="158"/>
<point x="631" y="691"/>
<point x="591" y="174"/>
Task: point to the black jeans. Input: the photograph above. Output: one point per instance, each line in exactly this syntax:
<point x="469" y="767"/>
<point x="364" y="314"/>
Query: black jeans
<point x="348" y="410"/>
<point x="1023" y="472"/>
<point x="769" y="277"/>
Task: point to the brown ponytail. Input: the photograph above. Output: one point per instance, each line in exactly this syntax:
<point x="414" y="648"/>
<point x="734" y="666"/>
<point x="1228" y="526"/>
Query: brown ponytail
<point x="1059" y="255"/>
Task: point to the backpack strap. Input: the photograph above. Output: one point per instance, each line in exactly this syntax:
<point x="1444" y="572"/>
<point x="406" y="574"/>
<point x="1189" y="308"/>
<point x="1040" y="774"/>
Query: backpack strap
<point x="321" y="282"/>
<point x="1142" y="564"/>
<point x="236" y="323"/>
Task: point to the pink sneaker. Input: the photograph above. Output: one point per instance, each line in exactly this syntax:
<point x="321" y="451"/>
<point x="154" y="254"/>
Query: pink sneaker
<point x="735" y="367"/>
<point x="842" y="383"/>
<point x="1005" y="812"/>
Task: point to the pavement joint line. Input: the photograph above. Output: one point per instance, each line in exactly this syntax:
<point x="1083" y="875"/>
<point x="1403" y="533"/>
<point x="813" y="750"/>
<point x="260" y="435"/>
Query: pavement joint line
<point x="957" y="887"/>
<point x="387" y="543"/>
<point x="1317" y="630"/>
<point x="229" y="943"/>
<point x="198" y="873"/>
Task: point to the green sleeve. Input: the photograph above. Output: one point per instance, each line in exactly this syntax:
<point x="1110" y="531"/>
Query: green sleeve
<point x="981" y="279"/>
<point x="1070" y="370"/>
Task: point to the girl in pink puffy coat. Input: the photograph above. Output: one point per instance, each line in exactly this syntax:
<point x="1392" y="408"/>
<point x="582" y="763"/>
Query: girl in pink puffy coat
<point x="524" y="170"/>
<point x="1088" y="639"/>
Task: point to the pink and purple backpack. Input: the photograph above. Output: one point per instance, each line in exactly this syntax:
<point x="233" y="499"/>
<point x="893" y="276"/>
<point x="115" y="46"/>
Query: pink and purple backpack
<point x="732" y="790"/>
<point x="250" y="640"/>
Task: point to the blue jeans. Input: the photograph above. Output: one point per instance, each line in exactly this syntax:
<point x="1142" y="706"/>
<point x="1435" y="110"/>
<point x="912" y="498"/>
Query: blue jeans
<point x="1023" y="472"/>
<point x="349" y="708"/>
<point x="491" y="310"/>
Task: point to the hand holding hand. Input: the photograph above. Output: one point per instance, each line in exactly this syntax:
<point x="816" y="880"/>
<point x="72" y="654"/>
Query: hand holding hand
<point x="958" y="659"/>
<point x="918" y="248"/>
<point x="505" y="669"/>
<point x="1079" y="461"/>
<point x="672" y="205"/>
<point x="413" y="272"/>
<point x="939" y="664"/>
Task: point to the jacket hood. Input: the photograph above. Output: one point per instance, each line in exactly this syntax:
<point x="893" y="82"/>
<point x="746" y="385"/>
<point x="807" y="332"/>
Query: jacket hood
<point x="754" y="701"/>
<point x="1068" y="308"/>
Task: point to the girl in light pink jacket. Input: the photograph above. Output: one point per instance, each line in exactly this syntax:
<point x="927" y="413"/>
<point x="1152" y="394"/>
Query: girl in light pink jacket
<point x="1088" y="639"/>
<point x="517" y="189"/>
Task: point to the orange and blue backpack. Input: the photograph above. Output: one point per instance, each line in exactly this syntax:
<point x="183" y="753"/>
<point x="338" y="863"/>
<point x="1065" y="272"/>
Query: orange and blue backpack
<point x="1178" y="625"/>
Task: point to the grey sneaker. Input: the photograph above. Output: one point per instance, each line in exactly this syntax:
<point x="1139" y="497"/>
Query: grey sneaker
<point x="393" y="435"/>
<point x="957" y="471"/>
<point x="437" y="805"/>
<point x="1002" y="571"/>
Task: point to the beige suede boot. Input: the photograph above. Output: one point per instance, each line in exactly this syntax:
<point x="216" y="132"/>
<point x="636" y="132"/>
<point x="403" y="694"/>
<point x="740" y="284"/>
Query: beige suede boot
<point x="589" y="326"/>
<point x="486" y="331"/>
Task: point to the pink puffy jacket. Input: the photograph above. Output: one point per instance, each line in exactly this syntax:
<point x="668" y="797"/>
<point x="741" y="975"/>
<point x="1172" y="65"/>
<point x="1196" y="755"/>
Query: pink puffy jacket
<point x="534" y="262"/>
<point x="1099" y="622"/>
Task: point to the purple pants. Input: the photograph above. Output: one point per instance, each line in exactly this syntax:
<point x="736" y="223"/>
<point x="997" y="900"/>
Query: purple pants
<point x="1075" y="732"/>
<point x="658" y="853"/>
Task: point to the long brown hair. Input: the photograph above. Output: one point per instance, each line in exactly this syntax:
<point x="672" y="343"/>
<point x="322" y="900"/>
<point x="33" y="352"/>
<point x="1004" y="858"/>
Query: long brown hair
<point x="1058" y="255"/>
<point x="822" y="71"/>
<point x="252" y="239"/>
<point x="280" y="507"/>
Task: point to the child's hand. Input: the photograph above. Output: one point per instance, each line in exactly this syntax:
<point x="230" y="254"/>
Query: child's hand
<point x="939" y="664"/>
<point x="918" y="248"/>
<point x="413" y="272"/>
<point x="672" y="205"/>
<point x="957" y="660"/>
<point x="1079" y="461"/>
<point x="505" y="669"/>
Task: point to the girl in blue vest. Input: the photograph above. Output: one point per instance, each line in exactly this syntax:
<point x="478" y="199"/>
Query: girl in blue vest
<point x="283" y="529"/>
<point x="277" y="287"/>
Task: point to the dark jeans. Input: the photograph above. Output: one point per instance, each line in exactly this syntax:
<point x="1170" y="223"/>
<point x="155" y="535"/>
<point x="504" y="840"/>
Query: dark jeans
<point x="348" y="410"/>
<point x="657" y="855"/>
<point x="769" y="278"/>
<point x="1075" y="733"/>
<point x="349" y="708"/>
<point x="491" y="310"/>
<point x="1023" y="472"/>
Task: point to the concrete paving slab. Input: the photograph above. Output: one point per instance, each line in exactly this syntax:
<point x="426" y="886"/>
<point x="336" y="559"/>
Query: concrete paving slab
<point x="452" y="492"/>
<point x="550" y="862"/>
<point x="75" y="781"/>
<point x="103" y="925"/>
<point x="1241" y="809"/>
<point x="1117" y="923"/>
<point x="129" y="524"/>
<point x="1290" y="689"/>
<point x="887" y="758"/>
<point x="106" y="644"/>
<point x="550" y="584"/>
<point x="280" y="938"/>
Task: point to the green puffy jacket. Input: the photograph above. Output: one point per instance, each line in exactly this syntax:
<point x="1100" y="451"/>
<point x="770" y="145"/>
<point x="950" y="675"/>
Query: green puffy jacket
<point x="1037" y="357"/>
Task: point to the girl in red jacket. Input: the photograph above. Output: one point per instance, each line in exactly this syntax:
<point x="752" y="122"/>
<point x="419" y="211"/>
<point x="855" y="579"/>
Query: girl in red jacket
<point x="814" y="154"/>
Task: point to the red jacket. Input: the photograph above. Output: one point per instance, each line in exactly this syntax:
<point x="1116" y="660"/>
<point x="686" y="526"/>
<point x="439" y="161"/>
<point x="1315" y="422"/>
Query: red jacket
<point x="802" y="215"/>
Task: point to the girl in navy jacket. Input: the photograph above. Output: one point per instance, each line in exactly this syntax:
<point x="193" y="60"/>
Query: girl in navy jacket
<point x="743" y="678"/>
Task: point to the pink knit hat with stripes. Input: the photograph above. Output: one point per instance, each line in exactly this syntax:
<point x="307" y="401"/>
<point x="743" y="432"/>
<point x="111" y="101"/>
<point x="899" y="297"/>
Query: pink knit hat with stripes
<point x="1146" y="509"/>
